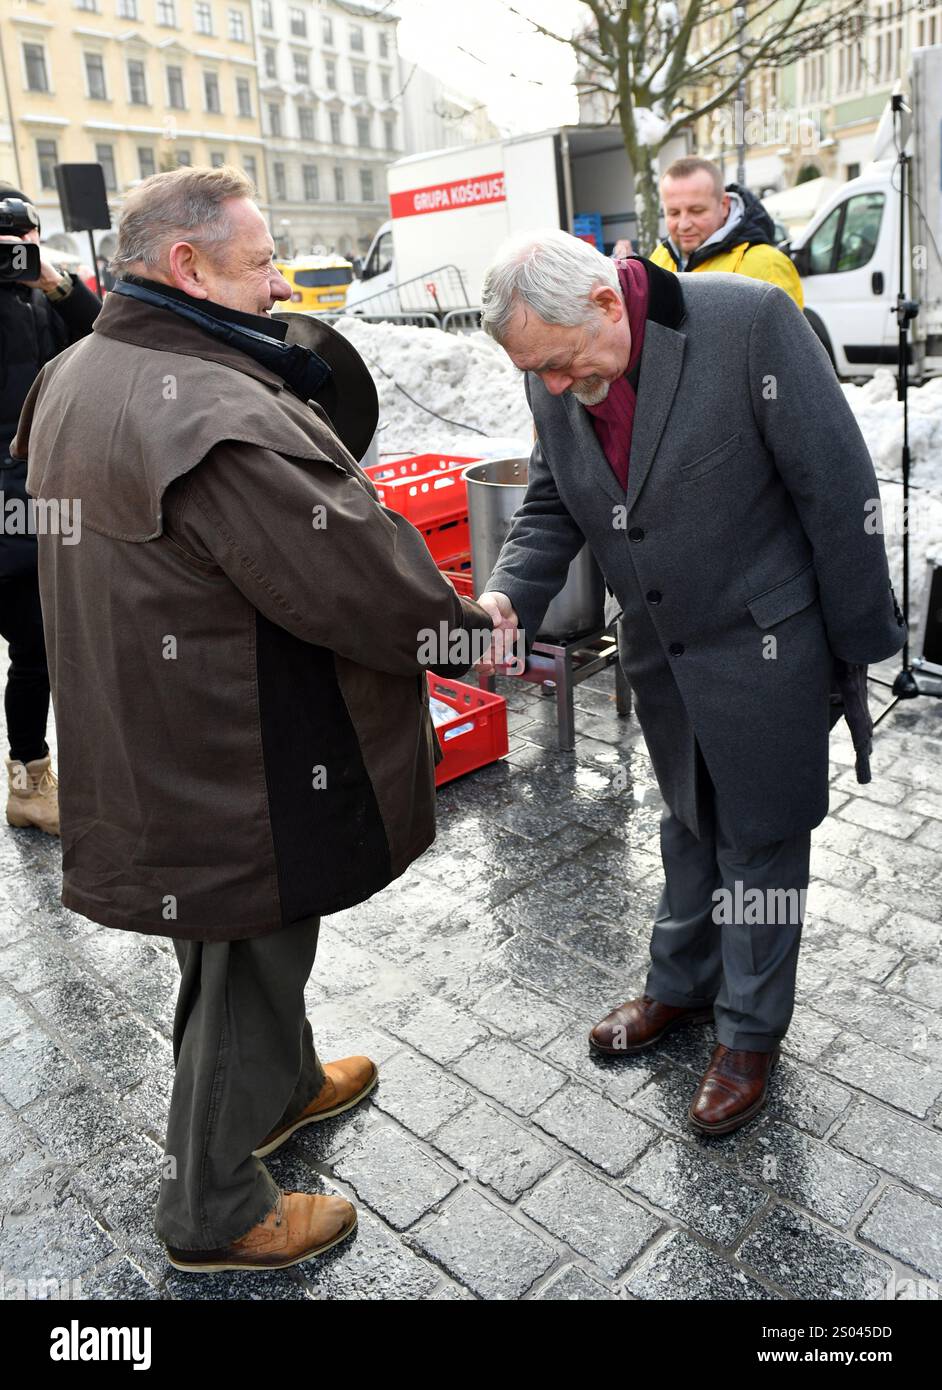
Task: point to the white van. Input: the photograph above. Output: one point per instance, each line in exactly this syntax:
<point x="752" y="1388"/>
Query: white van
<point x="848" y="256"/>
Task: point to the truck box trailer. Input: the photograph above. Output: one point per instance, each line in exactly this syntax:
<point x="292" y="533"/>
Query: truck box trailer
<point x="451" y="209"/>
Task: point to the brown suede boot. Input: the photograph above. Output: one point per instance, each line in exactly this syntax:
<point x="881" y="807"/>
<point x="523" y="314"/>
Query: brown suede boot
<point x="347" y="1082"/>
<point x="640" y="1023"/>
<point x="733" y="1089"/>
<point x="34" y="795"/>
<point x="300" y="1225"/>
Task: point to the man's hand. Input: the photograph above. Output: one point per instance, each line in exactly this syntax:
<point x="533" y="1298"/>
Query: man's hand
<point x="504" y="638"/>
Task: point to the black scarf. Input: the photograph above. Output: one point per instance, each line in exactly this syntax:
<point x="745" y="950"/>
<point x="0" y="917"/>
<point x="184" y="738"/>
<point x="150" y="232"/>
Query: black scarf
<point x="259" y="337"/>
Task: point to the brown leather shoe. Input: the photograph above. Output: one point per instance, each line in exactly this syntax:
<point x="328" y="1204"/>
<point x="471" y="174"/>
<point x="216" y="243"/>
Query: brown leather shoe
<point x="347" y="1082"/>
<point x="733" y="1089"/>
<point x="300" y="1225"/>
<point x="640" y="1023"/>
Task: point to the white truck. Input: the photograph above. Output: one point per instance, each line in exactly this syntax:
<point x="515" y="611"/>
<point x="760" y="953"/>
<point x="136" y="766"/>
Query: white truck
<point x="451" y="209"/>
<point x="848" y="256"/>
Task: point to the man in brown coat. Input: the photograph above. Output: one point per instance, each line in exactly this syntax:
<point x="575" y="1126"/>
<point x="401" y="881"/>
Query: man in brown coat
<point x="242" y="711"/>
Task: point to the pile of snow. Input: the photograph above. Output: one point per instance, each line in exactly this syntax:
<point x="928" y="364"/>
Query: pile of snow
<point x="464" y="378"/>
<point x="880" y="417"/>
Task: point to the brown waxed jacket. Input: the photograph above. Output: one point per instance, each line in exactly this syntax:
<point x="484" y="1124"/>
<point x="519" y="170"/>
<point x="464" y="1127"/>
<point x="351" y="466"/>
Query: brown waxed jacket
<point x="233" y="642"/>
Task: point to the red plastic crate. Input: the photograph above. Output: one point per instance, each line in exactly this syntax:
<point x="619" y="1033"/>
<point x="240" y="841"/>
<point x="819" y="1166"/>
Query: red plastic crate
<point x="427" y="489"/>
<point x="450" y="542"/>
<point x="478" y="733"/>
<point x="461" y="581"/>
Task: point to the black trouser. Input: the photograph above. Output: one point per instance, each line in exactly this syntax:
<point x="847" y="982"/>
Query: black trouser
<point x="26" y="699"/>
<point x="245" y="1065"/>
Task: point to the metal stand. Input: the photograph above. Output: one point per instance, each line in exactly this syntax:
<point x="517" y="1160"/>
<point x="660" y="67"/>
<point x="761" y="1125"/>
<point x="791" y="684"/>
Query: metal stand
<point x="904" y="686"/>
<point x="562" y="666"/>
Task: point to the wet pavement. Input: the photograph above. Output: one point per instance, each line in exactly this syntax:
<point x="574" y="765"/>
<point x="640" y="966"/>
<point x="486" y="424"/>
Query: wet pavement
<point x="497" y="1158"/>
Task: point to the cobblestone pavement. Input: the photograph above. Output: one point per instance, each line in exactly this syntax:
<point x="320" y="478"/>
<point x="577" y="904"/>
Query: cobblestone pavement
<point x="497" y="1159"/>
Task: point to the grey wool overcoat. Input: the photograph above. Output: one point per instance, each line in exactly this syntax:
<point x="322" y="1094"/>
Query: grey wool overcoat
<point x="744" y="555"/>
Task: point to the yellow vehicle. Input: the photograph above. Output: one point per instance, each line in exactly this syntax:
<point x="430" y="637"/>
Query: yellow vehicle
<point x="318" y="283"/>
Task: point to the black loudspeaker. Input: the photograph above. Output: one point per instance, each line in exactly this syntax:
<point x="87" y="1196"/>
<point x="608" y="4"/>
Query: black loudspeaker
<point x="82" y="197"/>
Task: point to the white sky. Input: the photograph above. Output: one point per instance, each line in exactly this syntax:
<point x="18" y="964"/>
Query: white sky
<point x="524" y="79"/>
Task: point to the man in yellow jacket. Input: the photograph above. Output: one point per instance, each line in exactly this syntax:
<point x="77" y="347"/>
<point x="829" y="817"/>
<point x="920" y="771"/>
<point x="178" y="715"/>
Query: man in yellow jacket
<point x="710" y="227"/>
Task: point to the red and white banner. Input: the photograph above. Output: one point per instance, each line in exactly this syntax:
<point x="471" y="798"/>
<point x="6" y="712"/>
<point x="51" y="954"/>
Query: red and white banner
<point x="444" y="197"/>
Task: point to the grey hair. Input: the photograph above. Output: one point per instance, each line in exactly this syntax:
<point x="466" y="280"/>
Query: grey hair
<point x="180" y="205"/>
<point x="551" y="272"/>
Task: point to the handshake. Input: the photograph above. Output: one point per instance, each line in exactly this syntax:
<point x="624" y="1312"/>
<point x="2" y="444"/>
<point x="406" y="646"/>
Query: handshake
<point x="502" y="655"/>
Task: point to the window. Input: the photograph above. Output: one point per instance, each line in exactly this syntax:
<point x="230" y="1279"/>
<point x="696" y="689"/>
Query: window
<point x="385" y="85"/>
<point x="851" y="171"/>
<point x="175" y="94"/>
<point x="366" y="185"/>
<point x="339" y="185"/>
<point x="847" y="239"/>
<point x="37" y="78"/>
<point x="216" y="159"/>
<point x="311" y="182"/>
<point x="90" y="5"/>
<point x="271" y="66"/>
<point x="336" y="134"/>
<point x="356" y="38"/>
<point x="184" y="159"/>
<point x="274" y="118"/>
<point x="281" y="190"/>
<point x="146" y="162"/>
<point x="390" y="131"/>
<point x="127" y="9"/>
<point x="104" y="155"/>
<point x="47" y="158"/>
<point x="383" y="43"/>
<point x="211" y="91"/>
<point x="382" y="258"/>
<point x="330" y="73"/>
<point x="243" y="96"/>
<point x="250" y="165"/>
<point x="95" y="76"/>
<point x="860" y="231"/>
<point x="306" y="122"/>
<point x="822" y="244"/>
<point x="363" y="132"/>
<point x="359" y="80"/>
<point x="203" y="17"/>
<point x="302" y="69"/>
<point x="297" y="21"/>
<point x="237" y="26"/>
<point x="267" y="20"/>
<point x="167" y="13"/>
<point x="327" y="30"/>
<point x="137" y="82"/>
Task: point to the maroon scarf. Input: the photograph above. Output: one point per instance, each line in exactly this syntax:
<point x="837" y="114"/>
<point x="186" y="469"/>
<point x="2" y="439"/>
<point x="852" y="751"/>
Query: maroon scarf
<point x="614" y="417"/>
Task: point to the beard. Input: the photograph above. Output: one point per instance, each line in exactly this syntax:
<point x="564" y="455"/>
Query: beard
<point x="591" y="391"/>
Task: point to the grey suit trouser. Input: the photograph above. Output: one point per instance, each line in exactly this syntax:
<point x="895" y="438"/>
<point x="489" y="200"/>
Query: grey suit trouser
<point x="728" y="926"/>
<point x="245" y="1064"/>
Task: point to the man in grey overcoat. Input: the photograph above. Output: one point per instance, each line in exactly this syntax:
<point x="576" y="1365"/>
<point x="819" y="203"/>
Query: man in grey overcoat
<point x="752" y="589"/>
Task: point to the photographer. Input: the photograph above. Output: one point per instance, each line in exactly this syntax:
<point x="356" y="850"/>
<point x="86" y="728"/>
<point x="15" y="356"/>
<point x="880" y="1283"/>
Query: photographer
<point x="38" y="318"/>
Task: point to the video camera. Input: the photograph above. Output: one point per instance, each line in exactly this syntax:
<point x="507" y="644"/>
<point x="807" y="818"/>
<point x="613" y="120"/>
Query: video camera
<point x="18" y="262"/>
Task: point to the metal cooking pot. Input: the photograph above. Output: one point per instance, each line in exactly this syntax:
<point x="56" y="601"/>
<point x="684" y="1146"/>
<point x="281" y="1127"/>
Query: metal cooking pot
<point x="496" y="488"/>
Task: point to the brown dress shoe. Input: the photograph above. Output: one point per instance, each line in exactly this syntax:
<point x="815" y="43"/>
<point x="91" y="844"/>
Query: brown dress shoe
<point x="732" y="1090"/>
<point x="300" y="1225"/>
<point x="640" y="1023"/>
<point x="347" y="1082"/>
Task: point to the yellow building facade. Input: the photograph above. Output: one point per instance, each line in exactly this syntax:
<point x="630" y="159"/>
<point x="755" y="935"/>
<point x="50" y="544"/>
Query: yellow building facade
<point x="136" y="86"/>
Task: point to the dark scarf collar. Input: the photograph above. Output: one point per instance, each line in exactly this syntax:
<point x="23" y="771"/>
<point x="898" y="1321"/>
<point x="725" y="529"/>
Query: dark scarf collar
<point x="261" y="338"/>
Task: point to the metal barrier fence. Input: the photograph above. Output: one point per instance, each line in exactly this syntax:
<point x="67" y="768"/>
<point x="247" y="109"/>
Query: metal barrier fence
<point x="462" y="321"/>
<point x="418" y="320"/>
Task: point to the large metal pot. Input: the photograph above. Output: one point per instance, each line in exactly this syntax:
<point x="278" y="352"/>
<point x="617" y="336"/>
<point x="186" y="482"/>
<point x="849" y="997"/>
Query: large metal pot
<point x="496" y="489"/>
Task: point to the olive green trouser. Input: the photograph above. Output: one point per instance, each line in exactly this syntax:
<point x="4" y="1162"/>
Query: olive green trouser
<point x="245" y="1064"/>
